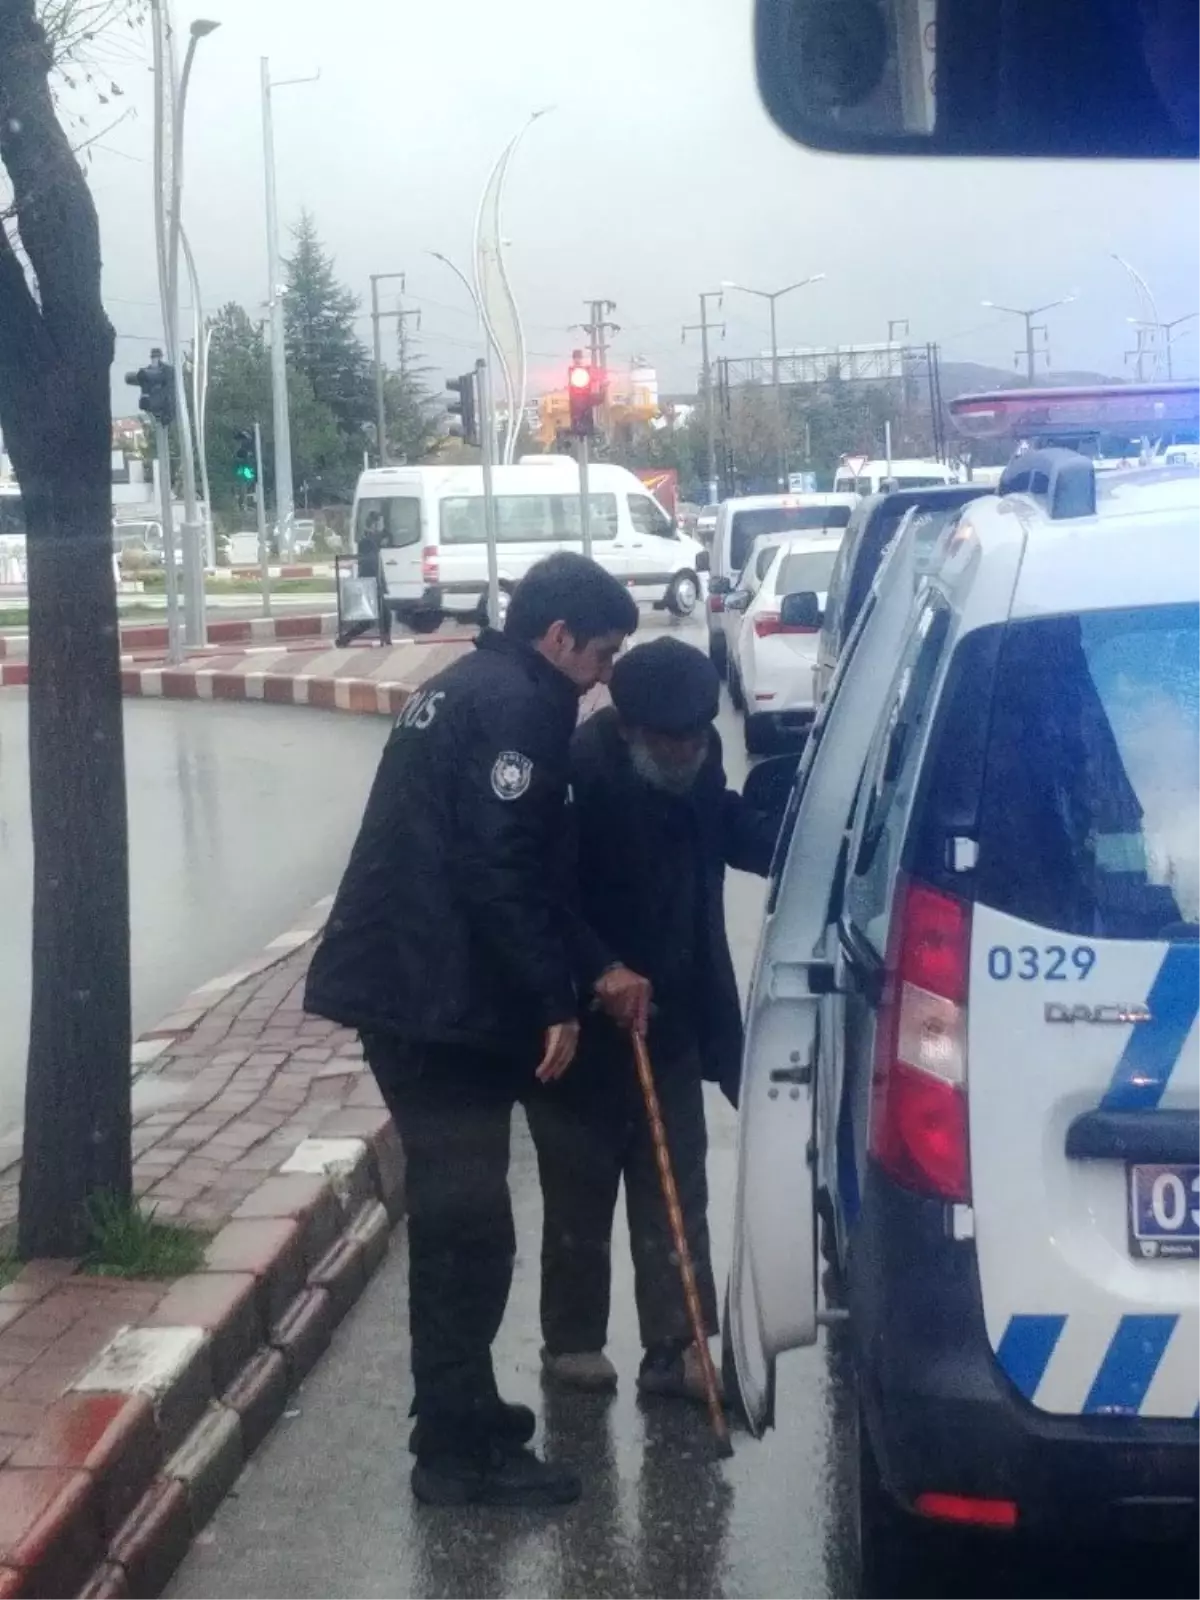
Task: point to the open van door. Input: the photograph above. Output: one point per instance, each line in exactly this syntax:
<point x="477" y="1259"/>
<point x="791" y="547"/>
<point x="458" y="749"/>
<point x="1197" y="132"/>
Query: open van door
<point x="772" y="1303"/>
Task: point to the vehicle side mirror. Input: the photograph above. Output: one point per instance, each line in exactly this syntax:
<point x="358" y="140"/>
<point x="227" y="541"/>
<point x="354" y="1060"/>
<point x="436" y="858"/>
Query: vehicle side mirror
<point x="769" y="785"/>
<point x="879" y="77"/>
<point x="738" y="601"/>
<point x="703" y="562"/>
<point x="801" y="610"/>
<point x="720" y="585"/>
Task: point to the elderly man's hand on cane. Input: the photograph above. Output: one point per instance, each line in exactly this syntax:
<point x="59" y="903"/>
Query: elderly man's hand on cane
<point x="625" y="996"/>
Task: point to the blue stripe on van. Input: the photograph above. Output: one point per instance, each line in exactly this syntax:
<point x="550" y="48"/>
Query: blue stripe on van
<point x="1154" y="1047"/>
<point x="1026" y="1348"/>
<point x="1129" y="1365"/>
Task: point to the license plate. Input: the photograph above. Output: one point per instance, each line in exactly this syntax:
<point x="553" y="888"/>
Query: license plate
<point x="1164" y="1211"/>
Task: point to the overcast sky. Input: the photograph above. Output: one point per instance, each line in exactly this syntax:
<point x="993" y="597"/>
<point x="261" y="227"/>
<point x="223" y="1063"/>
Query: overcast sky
<point x="657" y="175"/>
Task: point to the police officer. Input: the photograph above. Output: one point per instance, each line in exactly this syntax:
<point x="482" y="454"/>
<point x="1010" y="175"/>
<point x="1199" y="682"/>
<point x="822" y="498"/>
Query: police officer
<point x="656" y="828"/>
<point x="453" y="949"/>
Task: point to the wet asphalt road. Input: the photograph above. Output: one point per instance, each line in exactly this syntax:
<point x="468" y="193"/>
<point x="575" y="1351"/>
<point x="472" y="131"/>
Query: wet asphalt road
<point x="240" y="818"/>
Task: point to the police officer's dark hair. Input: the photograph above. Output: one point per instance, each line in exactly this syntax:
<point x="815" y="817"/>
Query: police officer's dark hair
<point x="573" y="590"/>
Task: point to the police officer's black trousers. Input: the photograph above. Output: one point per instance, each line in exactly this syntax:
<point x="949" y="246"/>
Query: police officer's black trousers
<point x="585" y="1146"/>
<point x="453" y="1110"/>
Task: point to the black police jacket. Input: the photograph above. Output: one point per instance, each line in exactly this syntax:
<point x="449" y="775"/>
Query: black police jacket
<point x="451" y="924"/>
<point x="649" y="863"/>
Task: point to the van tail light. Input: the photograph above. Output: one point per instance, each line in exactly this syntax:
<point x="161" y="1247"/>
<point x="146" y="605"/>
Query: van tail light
<point x="430" y="570"/>
<point x="716" y="603"/>
<point x="768" y="623"/>
<point x="918" y="1126"/>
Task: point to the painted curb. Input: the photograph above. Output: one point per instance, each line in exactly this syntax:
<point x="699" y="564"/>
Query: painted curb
<point x="150" y="1438"/>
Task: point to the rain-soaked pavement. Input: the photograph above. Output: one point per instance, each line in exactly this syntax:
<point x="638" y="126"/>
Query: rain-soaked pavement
<point x="240" y="818"/>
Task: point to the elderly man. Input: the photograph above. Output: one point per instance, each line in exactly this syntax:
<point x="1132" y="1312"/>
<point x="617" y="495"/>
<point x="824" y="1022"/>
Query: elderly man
<point x="656" y="827"/>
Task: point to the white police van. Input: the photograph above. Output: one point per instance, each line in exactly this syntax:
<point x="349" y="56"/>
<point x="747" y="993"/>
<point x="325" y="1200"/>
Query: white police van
<point x="971" y="1048"/>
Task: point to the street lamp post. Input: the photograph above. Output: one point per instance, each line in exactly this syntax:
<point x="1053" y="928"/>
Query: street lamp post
<point x="285" y="500"/>
<point x="170" y="109"/>
<point x="772" y="297"/>
<point x="1031" y="331"/>
<point x="201" y="339"/>
<point x="487" y="436"/>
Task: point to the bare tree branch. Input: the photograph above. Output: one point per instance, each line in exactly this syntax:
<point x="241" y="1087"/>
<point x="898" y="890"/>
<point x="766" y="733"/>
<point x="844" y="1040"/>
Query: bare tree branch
<point x="50" y="194"/>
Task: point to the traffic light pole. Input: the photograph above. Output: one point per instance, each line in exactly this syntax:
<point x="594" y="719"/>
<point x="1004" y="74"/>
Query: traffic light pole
<point x="487" y="452"/>
<point x="585" y="503"/>
<point x="162" y="446"/>
<point x="260" y="511"/>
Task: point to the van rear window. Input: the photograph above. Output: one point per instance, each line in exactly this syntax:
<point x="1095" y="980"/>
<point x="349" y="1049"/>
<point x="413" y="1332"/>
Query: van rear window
<point x="1090" y="792"/>
<point x="746" y="526"/>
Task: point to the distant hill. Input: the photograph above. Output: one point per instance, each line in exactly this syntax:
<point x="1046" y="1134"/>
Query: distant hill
<point x="972" y="377"/>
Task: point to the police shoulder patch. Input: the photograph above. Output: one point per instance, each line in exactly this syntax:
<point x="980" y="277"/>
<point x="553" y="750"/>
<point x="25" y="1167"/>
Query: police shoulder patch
<point x="511" y="774"/>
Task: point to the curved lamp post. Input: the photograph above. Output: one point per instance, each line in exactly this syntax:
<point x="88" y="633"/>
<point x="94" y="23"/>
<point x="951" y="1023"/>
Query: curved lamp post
<point x="498" y="309"/>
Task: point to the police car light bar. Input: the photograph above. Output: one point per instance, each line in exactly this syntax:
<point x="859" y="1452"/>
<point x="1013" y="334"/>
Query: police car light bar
<point x="1129" y="408"/>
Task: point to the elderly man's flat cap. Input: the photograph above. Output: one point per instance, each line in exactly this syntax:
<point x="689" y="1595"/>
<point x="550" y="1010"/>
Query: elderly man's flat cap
<point x="666" y="686"/>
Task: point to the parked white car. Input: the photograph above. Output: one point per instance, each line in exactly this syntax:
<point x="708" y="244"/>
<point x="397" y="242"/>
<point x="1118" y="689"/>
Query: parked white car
<point x="773" y="623"/>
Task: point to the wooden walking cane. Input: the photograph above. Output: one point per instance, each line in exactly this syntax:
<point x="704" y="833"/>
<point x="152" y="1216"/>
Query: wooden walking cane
<point x="691" y="1294"/>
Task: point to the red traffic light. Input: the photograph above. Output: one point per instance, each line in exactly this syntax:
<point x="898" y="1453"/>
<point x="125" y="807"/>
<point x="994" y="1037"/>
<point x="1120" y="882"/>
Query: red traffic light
<point x="580" y="377"/>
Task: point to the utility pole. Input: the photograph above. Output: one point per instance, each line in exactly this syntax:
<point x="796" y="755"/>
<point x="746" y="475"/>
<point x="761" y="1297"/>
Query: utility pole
<point x="703" y="327"/>
<point x="599" y="330"/>
<point x="285" y="504"/>
<point x="162" y="448"/>
<point x="260" y="513"/>
<point x="376" y="315"/>
<point x="1032" y="330"/>
<point x="402" y="316"/>
<point x="487" y="453"/>
<point x="1155" y="336"/>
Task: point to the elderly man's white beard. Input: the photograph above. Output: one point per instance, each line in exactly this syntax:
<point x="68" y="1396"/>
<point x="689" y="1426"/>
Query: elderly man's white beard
<point x="676" y="779"/>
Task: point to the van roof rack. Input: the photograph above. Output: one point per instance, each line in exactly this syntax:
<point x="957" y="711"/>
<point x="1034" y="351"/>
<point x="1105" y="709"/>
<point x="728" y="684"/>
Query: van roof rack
<point x="1064" y="479"/>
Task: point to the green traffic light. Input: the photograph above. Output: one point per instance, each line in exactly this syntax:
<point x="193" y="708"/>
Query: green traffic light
<point x="245" y="472"/>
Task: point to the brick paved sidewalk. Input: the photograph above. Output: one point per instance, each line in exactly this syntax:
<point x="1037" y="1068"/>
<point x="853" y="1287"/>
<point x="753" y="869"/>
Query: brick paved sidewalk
<point x="127" y="1408"/>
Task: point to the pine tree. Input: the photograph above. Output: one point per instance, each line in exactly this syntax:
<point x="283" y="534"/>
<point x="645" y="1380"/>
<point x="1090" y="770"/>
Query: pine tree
<point x="413" y="414"/>
<point x="319" y="318"/>
<point x="239" y="395"/>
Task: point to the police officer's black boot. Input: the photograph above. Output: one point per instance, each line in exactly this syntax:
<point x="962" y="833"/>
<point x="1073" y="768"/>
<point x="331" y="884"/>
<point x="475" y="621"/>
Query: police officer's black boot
<point x="494" y="1475"/>
<point x="470" y="1463"/>
<point x="512" y="1424"/>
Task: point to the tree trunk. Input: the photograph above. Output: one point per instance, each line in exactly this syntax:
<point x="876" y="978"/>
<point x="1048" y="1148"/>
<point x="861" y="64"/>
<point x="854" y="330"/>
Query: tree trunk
<point x="56" y="349"/>
<point x="77" y="1091"/>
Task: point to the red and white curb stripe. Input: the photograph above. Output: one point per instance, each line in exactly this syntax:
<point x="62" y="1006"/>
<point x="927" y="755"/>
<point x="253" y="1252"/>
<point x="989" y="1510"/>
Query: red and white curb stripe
<point x="359" y="695"/>
<point x="231" y="630"/>
<point x="362" y="696"/>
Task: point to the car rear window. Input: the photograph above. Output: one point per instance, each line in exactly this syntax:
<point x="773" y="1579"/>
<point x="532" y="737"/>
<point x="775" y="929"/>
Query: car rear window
<point x="1090" y="793"/>
<point x="805" y="570"/>
<point x="746" y="526"/>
